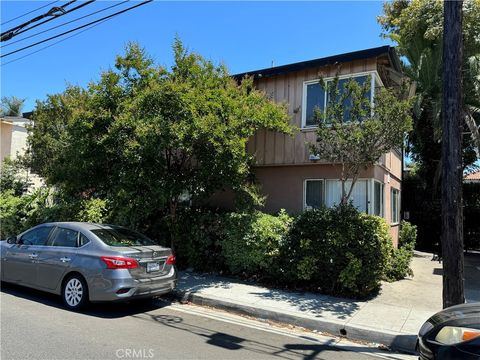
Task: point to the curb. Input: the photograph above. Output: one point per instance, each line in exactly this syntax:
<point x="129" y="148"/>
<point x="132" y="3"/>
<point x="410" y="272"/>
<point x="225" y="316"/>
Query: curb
<point x="396" y="341"/>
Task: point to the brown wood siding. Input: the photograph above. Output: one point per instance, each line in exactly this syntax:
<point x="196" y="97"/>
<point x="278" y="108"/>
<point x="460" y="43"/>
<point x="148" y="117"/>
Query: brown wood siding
<point x="272" y="148"/>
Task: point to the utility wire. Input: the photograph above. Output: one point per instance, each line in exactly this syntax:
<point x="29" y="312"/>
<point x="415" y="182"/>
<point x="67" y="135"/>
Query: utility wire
<point x="55" y="43"/>
<point x="18" y="17"/>
<point x="77" y="28"/>
<point x="53" y="18"/>
<point x="54" y="11"/>
<point x="63" y="24"/>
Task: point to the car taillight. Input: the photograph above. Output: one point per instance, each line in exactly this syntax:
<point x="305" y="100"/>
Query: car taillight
<point x="117" y="262"/>
<point x="170" y="260"/>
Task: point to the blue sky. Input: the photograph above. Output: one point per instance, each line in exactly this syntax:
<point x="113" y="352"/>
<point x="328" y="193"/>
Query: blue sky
<point x="243" y="35"/>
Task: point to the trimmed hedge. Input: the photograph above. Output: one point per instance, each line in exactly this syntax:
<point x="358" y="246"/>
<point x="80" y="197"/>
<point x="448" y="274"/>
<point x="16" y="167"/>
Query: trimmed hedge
<point x="337" y="251"/>
<point x="251" y="245"/>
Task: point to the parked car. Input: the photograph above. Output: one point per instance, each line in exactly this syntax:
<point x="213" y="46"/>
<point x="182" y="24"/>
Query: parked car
<point x="453" y="333"/>
<point x="85" y="262"/>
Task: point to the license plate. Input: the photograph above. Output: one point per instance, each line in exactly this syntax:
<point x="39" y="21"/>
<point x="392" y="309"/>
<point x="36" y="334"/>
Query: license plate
<point x="153" y="266"/>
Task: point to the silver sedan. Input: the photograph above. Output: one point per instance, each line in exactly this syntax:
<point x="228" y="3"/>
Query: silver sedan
<point x="88" y="262"/>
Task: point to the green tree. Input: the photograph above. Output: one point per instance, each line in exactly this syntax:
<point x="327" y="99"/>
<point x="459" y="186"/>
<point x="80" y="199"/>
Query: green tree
<point x="11" y="106"/>
<point x="417" y="27"/>
<point x="144" y="138"/>
<point x="353" y="133"/>
<point x="13" y="177"/>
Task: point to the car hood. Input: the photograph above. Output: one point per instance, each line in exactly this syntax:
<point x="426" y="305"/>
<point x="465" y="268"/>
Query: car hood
<point x="457" y="313"/>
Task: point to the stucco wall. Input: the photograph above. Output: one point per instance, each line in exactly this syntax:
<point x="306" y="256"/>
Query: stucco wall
<point x="5" y="139"/>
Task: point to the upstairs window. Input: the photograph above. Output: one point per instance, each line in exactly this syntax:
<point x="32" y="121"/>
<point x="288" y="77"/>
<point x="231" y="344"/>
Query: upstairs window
<point x="315" y="97"/>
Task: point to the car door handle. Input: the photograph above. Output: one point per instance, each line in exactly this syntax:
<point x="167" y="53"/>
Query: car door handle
<point x="65" y="259"/>
<point x="33" y="256"/>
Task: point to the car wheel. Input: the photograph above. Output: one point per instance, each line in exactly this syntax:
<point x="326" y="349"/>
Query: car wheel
<point x="75" y="292"/>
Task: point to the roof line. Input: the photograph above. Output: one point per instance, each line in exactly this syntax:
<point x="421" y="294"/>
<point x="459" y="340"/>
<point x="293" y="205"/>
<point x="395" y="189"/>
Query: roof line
<point x="329" y="60"/>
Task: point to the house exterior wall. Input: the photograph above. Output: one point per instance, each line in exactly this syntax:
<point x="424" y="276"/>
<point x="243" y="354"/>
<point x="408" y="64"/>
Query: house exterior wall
<point x="14" y="136"/>
<point x="283" y="163"/>
<point x="5" y="139"/>
<point x="272" y="148"/>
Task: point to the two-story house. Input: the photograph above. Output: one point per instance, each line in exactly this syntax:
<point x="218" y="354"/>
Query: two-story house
<point x="290" y="176"/>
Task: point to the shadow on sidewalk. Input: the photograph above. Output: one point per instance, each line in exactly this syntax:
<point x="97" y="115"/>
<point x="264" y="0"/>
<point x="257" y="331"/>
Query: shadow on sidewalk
<point x="317" y="305"/>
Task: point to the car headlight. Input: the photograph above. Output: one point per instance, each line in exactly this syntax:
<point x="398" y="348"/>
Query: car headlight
<point x="450" y="335"/>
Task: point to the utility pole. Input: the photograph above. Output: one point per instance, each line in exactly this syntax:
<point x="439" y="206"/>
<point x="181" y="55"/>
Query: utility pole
<point x="452" y="169"/>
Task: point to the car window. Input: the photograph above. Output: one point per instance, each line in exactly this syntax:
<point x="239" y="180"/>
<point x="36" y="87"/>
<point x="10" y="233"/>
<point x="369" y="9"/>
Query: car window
<point x="83" y="240"/>
<point x="64" y="237"/>
<point x="37" y="236"/>
<point x="118" y="236"/>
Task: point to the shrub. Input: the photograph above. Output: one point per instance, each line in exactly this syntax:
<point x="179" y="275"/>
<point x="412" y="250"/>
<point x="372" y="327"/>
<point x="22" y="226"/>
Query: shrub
<point x="93" y="210"/>
<point x="19" y="213"/>
<point x="13" y="212"/>
<point x="198" y="239"/>
<point x="338" y="251"/>
<point x="252" y="242"/>
<point x="399" y="265"/>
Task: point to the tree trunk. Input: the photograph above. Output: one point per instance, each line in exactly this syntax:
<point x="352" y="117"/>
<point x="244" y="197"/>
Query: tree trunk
<point x="452" y="227"/>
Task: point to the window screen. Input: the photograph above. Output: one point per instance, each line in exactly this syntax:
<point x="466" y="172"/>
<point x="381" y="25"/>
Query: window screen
<point x="314" y="194"/>
<point x="347" y="104"/>
<point x="378" y="198"/>
<point x="315" y="99"/>
<point x="359" y="195"/>
<point x="395" y="205"/>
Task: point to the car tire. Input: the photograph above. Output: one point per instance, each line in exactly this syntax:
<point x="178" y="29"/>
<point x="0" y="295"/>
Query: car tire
<point x="75" y="292"/>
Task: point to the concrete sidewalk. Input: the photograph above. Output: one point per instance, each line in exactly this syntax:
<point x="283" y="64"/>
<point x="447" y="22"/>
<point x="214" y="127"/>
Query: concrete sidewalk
<point x="393" y="318"/>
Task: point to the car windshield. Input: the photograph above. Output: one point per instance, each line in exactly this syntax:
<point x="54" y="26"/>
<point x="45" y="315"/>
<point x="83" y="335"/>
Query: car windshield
<point x="122" y="237"/>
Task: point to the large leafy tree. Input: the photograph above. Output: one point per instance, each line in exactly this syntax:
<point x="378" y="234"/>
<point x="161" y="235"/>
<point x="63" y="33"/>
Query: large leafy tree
<point x="354" y="133"/>
<point x="417" y="28"/>
<point x="145" y="137"/>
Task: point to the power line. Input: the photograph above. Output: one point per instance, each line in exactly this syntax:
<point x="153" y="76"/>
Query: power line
<point x="54" y="11"/>
<point x="18" y="17"/>
<point x="89" y="26"/>
<point x="67" y="12"/>
<point x="55" y="43"/>
<point x="65" y="23"/>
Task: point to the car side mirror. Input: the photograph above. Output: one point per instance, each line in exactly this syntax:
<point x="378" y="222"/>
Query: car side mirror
<point x="12" y="240"/>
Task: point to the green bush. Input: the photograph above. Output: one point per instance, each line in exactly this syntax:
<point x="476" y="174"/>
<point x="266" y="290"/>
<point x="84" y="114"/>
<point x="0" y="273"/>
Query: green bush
<point x="399" y="265"/>
<point x="252" y="241"/>
<point x="21" y="212"/>
<point x="337" y="251"/>
<point x="13" y="212"/>
<point x="198" y="240"/>
<point x="93" y="210"/>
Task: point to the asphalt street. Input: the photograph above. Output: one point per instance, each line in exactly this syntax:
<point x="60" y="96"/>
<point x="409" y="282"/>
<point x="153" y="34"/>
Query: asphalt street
<point x="34" y="325"/>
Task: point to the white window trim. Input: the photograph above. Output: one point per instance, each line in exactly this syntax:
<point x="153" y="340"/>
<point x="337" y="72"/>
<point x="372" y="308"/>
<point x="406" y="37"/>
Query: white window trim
<point x="324" y="180"/>
<point x="305" y="191"/>
<point x="382" y="204"/>
<point x="398" y="206"/>
<point x="375" y="78"/>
